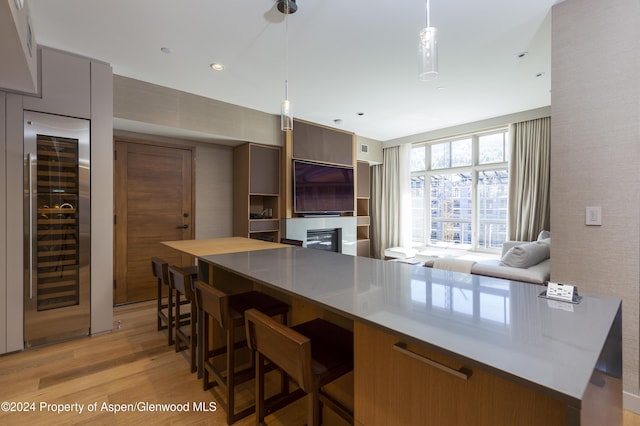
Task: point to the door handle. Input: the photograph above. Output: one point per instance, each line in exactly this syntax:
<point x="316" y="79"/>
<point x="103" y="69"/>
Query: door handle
<point x="31" y="230"/>
<point x="185" y="226"/>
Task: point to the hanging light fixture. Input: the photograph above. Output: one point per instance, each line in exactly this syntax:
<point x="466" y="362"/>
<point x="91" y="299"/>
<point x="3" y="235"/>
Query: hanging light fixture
<point x="428" y="50"/>
<point x="286" y="113"/>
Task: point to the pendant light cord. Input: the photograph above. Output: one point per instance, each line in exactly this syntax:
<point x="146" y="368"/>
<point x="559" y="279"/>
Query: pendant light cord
<point x="286" y="51"/>
<point x="428" y="24"/>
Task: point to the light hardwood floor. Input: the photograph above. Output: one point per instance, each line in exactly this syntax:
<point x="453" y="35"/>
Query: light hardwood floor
<point x="133" y="364"/>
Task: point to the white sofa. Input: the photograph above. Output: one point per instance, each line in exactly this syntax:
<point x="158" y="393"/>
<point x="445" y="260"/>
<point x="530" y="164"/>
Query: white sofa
<point x="520" y="261"/>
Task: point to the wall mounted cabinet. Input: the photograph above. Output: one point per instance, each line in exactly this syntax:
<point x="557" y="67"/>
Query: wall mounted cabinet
<point x="65" y="87"/>
<point x="18" y="49"/>
<point x="257" y="192"/>
<point x="316" y="143"/>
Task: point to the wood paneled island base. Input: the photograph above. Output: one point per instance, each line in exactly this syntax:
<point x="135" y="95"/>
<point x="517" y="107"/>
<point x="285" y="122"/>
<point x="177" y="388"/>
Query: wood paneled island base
<point x="392" y="387"/>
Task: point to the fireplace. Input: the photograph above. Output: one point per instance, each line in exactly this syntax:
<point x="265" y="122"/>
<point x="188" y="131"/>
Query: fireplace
<point x="324" y="239"/>
<point x="297" y="228"/>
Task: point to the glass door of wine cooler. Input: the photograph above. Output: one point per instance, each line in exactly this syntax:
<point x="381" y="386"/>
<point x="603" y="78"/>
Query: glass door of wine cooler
<point x="57" y="241"/>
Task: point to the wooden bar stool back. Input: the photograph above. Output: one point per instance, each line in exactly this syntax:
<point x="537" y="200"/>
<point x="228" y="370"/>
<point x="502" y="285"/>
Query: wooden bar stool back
<point x="314" y="353"/>
<point x="228" y="312"/>
<point x="186" y="336"/>
<point x="160" y="270"/>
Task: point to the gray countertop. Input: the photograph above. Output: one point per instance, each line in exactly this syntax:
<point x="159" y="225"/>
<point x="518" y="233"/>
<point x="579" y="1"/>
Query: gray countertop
<point x="500" y="325"/>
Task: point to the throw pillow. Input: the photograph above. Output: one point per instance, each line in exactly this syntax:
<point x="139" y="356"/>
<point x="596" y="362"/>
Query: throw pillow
<point x="544" y="235"/>
<point x="526" y="255"/>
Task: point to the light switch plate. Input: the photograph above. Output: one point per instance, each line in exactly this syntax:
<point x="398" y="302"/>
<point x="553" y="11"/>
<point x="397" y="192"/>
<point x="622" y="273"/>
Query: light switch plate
<point x="593" y="216"/>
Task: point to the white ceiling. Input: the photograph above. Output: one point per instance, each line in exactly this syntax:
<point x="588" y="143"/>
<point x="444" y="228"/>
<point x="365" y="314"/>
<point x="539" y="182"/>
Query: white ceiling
<point x="345" y="57"/>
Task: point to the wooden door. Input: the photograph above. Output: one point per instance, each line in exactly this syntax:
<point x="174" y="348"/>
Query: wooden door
<point x="153" y="203"/>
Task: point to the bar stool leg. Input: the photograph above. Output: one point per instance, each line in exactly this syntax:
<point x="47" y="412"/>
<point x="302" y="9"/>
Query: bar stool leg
<point x="177" y="324"/>
<point x="201" y="343"/>
<point x="194" y="338"/>
<point x="259" y="389"/>
<point x="231" y="376"/>
<point x="160" y="327"/>
<point x="171" y="321"/>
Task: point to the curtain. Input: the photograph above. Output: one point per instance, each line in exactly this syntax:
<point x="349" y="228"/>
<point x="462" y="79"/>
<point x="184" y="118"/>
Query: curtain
<point x="529" y="211"/>
<point x="390" y="201"/>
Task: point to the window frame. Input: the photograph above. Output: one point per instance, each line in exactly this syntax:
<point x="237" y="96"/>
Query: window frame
<point x="474" y="169"/>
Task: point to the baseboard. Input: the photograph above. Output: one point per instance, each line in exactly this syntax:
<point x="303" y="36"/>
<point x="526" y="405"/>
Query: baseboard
<point x="631" y="402"/>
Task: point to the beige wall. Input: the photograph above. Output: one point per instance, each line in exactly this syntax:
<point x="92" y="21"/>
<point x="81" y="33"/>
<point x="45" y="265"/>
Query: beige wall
<point x="595" y="158"/>
<point x="374" y="150"/>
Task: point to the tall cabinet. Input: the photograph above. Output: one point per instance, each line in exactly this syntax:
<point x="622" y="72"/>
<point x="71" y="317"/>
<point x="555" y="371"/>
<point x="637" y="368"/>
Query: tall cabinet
<point x="256" y="191"/>
<point x="70" y="86"/>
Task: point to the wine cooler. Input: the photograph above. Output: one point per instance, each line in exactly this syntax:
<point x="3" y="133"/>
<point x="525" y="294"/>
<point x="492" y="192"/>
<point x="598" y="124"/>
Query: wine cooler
<point x="57" y="237"/>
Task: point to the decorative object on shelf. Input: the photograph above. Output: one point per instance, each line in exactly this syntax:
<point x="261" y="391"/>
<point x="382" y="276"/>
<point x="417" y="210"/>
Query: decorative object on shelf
<point x="428" y="50"/>
<point x="286" y="7"/>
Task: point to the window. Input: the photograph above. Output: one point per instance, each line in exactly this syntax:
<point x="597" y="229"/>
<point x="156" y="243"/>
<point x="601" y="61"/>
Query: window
<point x="466" y="201"/>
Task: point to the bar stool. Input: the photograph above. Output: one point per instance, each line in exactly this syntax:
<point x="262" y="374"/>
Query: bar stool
<point x="185" y="338"/>
<point x="228" y="312"/>
<point x="313" y="353"/>
<point x="160" y="270"/>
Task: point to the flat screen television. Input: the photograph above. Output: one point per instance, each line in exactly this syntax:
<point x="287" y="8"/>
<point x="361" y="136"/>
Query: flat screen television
<point x="322" y="188"/>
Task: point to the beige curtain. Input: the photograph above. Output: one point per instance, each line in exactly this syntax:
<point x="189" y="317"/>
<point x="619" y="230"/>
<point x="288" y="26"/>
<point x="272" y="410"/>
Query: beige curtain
<point x="529" y="178"/>
<point x="386" y="199"/>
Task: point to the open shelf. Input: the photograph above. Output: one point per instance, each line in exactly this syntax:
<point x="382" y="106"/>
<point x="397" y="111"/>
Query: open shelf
<point x="362" y="210"/>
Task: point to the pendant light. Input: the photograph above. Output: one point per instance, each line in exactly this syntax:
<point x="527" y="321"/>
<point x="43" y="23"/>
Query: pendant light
<point x="428" y="50"/>
<point x="286" y="113"/>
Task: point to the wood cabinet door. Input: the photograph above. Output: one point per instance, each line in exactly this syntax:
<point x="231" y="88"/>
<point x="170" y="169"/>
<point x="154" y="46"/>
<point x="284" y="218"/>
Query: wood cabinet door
<point x="153" y="203"/>
<point x="363" y="172"/>
<point x="264" y="170"/>
<point x="393" y="387"/>
<point x="318" y="143"/>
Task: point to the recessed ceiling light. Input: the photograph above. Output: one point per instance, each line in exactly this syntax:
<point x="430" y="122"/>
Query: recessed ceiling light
<point x="217" y="67"/>
<point x="521" y="55"/>
<point x="360" y="113"/>
<point x="165" y="50"/>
